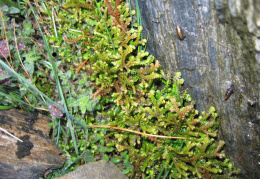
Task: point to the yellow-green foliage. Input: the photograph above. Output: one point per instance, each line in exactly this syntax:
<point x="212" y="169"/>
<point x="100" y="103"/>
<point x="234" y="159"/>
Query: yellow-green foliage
<point x="125" y="81"/>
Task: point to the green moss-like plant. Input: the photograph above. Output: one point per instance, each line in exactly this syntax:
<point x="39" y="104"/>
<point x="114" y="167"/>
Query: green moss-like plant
<point x="125" y="83"/>
<point x="162" y="112"/>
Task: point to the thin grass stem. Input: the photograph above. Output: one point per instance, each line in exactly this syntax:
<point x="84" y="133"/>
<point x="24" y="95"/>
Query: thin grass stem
<point x="105" y="26"/>
<point x="1" y="129"/>
<point x="57" y="80"/>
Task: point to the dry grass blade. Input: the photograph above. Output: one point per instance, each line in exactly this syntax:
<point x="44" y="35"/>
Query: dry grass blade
<point x="136" y="132"/>
<point x="1" y="129"/>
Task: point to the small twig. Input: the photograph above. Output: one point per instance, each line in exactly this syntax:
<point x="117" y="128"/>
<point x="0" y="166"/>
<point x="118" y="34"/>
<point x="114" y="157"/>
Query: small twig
<point x="136" y="132"/>
<point x="81" y="65"/>
<point x="10" y="134"/>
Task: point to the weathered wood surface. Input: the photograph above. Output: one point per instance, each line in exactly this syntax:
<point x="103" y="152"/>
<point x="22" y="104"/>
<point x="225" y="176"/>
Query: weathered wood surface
<point x="32" y="157"/>
<point x="221" y="48"/>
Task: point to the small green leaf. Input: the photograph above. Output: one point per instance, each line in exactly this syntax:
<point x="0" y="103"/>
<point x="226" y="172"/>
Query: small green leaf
<point x="127" y="170"/>
<point x="14" y="10"/>
<point x="109" y="149"/>
<point x="5" y="107"/>
<point x="87" y="55"/>
<point x="89" y="107"/>
<point x="126" y="158"/>
<point x="115" y="160"/>
<point x="89" y="156"/>
<point x="5" y="8"/>
<point x="92" y="22"/>
<point x="5" y="76"/>
<point x="111" y="144"/>
<point x="106" y="157"/>
<point x="102" y="141"/>
<point x="123" y="154"/>
<point x="101" y="149"/>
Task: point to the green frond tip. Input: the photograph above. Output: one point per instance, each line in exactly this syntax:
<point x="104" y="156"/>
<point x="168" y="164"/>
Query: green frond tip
<point x="211" y="109"/>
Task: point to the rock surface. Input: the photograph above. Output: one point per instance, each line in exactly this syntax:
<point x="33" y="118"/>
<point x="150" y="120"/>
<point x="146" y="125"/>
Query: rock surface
<point x="32" y="157"/>
<point x="221" y="48"/>
<point x="96" y="170"/>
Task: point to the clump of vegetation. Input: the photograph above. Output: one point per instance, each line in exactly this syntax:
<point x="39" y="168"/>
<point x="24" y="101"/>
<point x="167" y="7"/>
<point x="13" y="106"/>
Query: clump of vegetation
<point x="106" y="81"/>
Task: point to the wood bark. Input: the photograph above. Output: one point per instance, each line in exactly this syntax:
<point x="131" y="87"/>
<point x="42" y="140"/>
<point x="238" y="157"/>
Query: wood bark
<point x="221" y="48"/>
<point x="32" y="157"/>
